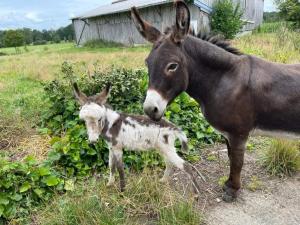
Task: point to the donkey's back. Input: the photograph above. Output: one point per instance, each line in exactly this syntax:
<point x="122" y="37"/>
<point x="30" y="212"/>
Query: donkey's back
<point x="276" y="96"/>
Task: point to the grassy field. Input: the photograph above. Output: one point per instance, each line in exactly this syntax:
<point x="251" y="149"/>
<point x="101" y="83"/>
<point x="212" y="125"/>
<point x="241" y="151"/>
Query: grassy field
<point x="21" y="103"/>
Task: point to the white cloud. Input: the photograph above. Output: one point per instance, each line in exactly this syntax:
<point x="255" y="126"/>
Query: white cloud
<point x="33" y="16"/>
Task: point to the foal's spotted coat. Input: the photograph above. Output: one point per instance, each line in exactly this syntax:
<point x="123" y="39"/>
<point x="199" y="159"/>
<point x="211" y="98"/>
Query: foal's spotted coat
<point x="137" y="133"/>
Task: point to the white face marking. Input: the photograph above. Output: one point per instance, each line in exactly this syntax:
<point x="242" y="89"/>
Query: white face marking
<point x="154" y="99"/>
<point x="92" y="114"/>
<point x="278" y="134"/>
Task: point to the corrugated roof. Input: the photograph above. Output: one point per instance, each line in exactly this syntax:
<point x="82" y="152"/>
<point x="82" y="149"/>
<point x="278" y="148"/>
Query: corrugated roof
<point x="121" y="7"/>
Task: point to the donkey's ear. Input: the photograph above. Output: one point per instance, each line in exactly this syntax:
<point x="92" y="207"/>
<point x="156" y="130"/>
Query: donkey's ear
<point x="81" y="97"/>
<point x="149" y="32"/>
<point x="102" y="97"/>
<point x="183" y="18"/>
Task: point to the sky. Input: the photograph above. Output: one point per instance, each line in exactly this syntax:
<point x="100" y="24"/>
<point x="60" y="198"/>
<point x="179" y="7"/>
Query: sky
<point x="52" y="14"/>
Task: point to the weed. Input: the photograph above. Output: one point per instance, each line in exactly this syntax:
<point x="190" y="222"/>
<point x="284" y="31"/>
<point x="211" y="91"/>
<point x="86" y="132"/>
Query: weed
<point x="282" y="157"/>
<point x="212" y="157"/>
<point x="255" y="184"/>
<point x="222" y="180"/>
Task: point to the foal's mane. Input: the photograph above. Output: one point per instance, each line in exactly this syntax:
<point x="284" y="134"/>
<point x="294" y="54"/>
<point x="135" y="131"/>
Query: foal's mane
<point x="219" y="41"/>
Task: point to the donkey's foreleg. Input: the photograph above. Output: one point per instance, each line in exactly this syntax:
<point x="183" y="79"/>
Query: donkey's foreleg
<point x="236" y="151"/>
<point x="169" y="153"/>
<point x="118" y="154"/>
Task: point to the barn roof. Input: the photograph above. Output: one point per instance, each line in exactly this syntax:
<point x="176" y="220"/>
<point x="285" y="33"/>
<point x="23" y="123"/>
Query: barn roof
<point x="124" y="6"/>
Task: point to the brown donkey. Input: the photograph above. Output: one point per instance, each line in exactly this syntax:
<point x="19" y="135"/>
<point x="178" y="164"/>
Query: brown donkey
<point x="239" y="94"/>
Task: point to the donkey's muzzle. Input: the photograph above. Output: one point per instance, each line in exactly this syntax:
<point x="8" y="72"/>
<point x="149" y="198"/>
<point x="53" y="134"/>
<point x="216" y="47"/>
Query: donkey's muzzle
<point x="154" y="105"/>
<point x="153" y="112"/>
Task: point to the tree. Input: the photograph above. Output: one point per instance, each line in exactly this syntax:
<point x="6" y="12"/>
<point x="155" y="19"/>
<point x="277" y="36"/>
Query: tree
<point x="226" y="18"/>
<point x="290" y="11"/>
<point x="13" y="38"/>
<point x="28" y="38"/>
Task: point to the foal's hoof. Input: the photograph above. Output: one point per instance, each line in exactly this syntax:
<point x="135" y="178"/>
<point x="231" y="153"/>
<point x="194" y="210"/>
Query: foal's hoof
<point x="163" y="180"/>
<point x="110" y="184"/>
<point x="230" y="194"/>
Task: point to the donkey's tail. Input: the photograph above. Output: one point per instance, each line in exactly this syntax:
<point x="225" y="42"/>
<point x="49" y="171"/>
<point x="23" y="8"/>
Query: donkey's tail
<point x="183" y="140"/>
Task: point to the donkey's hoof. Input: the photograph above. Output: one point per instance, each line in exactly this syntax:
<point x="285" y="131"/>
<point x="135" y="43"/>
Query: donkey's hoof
<point x="230" y="194"/>
<point x="228" y="198"/>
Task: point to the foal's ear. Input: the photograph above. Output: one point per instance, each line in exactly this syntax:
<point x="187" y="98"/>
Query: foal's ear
<point x="81" y="97"/>
<point x="183" y="18"/>
<point x="149" y="32"/>
<point x="102" y="97"/>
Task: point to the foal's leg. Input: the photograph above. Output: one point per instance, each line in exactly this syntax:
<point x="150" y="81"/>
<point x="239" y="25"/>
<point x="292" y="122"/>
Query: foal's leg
<point x="112" y="167"/>
<point x="169" y="153"/>
<point x="236" y="150"/>
<point x="118" y="155"/>
<point x="167" y="172"/>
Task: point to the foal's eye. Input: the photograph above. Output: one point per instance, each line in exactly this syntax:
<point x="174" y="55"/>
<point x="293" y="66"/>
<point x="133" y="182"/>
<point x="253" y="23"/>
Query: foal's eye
<point x="172" y="67"/>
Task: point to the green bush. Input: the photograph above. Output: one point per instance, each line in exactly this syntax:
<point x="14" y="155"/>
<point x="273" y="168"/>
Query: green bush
<point x="226" y="19"/>
<point x="127" y="94"/>
<point x="282" y="158"/>
<point x="290" y="11"/>
<point x="24" y="185"/>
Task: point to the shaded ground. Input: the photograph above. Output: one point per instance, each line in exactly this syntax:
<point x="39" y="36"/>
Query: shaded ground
<point x="263" y="200"/>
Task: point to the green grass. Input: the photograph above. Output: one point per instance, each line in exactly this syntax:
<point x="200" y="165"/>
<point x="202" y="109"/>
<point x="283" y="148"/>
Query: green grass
<point x="270" y="27"/>
<point x="145" y="201"/>
<point x="282" y="157"/>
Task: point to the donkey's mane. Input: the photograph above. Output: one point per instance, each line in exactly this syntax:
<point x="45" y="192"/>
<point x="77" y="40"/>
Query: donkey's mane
<point x="219" y="41"/>
<point x="214" y="39"/>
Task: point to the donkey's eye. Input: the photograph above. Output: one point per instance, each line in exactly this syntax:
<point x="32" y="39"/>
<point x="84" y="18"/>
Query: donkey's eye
<point x="171" y="67"/>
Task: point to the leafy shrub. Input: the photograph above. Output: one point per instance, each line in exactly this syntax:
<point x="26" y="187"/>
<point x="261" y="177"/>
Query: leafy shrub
<point x="127" y="95"/>
<point x="25" y="184"/>
<point x="101" y="44"/>
<point x="226" y="18"/>
<point x="282" y="158"/>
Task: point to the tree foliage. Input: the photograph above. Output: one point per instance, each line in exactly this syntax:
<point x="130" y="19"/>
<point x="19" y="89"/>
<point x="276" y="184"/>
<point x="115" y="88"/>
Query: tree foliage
<point x="290" y="11"/>
<point x="13" y="38"/>
<point x="226" y="18"/>
<point x="37" y="37"/>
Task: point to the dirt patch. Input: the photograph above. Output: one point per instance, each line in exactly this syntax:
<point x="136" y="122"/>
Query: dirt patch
<point x="34" y="145"/>
<point x="263" y="200"/>
<point x="277" y="204"/>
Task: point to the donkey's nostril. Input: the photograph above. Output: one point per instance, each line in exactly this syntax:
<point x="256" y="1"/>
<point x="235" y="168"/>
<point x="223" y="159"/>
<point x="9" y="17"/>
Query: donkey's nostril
<point x="155" y="110"/>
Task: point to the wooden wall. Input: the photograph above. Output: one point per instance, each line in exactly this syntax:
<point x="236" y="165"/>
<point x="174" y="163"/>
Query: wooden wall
<point x="119" y="27"/>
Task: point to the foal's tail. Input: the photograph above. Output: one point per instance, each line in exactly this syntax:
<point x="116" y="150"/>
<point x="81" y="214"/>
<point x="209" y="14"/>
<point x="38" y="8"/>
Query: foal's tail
<point x="183" y="140"/>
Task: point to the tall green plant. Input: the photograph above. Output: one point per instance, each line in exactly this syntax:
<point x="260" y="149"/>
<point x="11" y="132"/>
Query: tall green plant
<point x="226" y="18"/>
<point x="290" y="11"/>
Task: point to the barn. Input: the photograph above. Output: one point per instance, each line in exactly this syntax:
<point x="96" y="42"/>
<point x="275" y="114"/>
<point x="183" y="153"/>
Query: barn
<point x="112" y="22"/>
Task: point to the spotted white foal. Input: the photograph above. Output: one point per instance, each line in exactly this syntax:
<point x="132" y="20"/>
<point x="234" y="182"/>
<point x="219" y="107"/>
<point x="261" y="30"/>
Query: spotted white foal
<point x="137" y="133"/>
